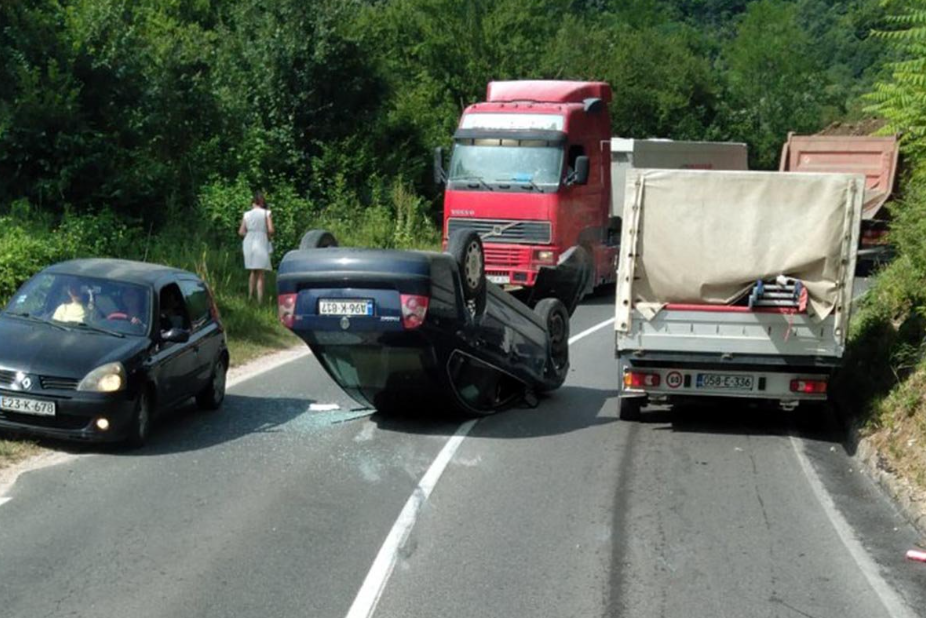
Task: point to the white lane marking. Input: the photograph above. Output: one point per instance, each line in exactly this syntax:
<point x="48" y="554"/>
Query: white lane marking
<point x="375" y="582"/>
<point x="276" y="362"/>
<point x="589" y="331"/>
<point x="323" y="407"/>
<point x="4" y="501"/>
<point x="372" y="589"/>
<point x="890" y="599"/>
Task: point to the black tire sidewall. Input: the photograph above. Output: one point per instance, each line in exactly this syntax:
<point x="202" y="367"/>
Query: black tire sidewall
<point x="140" y="432"/>
<point x="459" y="246"/>
<point x="317" y="239"/>
<point x="548" y="310"/>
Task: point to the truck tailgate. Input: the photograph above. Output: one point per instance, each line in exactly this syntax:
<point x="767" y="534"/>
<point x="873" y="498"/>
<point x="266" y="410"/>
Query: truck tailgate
<point x="739" y="333"/>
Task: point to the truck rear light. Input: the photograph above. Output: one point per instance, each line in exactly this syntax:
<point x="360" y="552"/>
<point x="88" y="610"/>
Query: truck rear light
<point x="640" y="379"/>
<point x="286" y="306"/>
<point x="810" y="387"/>
<point x="544" y="256"/>
<point x="414" y="310"/>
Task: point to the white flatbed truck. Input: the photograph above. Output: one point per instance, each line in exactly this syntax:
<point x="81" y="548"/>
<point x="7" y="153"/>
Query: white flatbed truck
<point x="694" y="244"/>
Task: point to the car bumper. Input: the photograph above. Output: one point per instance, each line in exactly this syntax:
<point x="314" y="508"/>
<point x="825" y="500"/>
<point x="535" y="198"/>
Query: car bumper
<point x="75" y="417"/>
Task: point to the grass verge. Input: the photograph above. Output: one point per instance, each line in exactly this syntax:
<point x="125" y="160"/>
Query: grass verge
<point x="882" y="385"/>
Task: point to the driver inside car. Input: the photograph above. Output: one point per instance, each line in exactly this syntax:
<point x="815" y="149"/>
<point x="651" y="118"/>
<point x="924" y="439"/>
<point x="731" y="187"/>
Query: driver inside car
<point x="73" y="309"/>
<point x="133" y="307"/>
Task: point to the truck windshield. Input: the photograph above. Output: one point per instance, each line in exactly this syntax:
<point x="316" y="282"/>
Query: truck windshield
<point x="505" y="161"/>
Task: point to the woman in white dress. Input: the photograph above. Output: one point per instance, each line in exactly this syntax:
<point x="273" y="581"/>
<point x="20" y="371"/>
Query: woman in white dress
<point x="257" y="229"/>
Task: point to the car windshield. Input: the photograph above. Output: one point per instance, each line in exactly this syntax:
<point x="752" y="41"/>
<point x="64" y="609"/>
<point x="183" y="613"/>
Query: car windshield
<point x="96" y="305"/>
<point x="504" y="161"/>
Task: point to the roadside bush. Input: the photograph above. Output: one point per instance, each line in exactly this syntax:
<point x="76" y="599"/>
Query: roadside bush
<point x="30" y="241"/>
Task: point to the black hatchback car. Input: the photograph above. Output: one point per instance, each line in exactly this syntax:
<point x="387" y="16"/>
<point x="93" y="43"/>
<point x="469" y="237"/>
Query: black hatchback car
<point x="400" y="330"/>
<point x="92" y="349"/>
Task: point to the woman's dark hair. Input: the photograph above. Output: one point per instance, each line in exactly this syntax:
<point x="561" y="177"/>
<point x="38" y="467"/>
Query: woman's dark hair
<point x="259" y="199"/>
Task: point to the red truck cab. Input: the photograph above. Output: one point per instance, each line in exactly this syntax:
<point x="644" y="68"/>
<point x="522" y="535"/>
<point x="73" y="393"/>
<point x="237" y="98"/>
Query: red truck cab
<point x="530" y="172"/>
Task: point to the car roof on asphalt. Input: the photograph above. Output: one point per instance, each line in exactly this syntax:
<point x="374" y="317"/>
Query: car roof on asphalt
<point x="118" y="270"/>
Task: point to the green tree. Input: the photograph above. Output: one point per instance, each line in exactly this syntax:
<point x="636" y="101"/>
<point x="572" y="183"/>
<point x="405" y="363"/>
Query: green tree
<point x="774" y="81"/>
<point x="901" y="98"/>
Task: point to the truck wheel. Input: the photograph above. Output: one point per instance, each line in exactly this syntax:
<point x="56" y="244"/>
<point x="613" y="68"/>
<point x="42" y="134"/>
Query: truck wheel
<point x="630" y="408"/>
<point x="317" y="239"/>
<point x="555" y="317"/>
<point x="466" y="249"/>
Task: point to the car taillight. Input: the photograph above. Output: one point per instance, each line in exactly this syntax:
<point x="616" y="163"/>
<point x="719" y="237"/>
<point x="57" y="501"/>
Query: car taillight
<point x="414" y="310"/>
<point x="286" y="304"/>
<point x="639" y="379"/>
<point x="810" y="387"/>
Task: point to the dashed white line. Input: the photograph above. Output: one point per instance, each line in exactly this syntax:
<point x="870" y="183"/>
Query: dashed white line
<point x="889" y="598"/>
<point x="4" y="501"/>
<point x="375" y="582"/>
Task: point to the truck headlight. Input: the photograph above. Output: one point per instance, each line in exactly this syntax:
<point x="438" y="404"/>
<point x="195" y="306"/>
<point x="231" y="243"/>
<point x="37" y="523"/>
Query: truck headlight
<point x="107" y="378"/>
<point x="544" y="256"/>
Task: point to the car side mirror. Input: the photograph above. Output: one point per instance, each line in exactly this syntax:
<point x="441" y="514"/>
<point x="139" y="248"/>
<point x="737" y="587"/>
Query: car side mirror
<point x="581" y="175"/>
<point x="440" y="176"/>
<point x="175" y="335"/>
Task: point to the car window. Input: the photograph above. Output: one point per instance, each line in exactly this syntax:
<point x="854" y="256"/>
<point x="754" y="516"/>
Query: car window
<point x="71" y="299"/>
<point x="172" y="309"/>
<point x="480" y="386"/>
<point x="197" y="302"/>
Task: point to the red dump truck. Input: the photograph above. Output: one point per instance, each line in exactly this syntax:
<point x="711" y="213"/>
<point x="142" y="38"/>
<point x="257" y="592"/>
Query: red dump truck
<point x="873" y="157"/>
<point x="531" y="172"/>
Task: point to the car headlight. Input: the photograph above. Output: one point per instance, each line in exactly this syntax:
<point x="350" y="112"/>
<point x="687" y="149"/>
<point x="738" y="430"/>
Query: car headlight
<point x="108" y="378"/>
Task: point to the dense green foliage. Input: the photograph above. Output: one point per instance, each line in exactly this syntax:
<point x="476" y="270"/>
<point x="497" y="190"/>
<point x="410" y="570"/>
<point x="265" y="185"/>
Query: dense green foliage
<point x="886" y="367"/>
<point x="139" y="128"/>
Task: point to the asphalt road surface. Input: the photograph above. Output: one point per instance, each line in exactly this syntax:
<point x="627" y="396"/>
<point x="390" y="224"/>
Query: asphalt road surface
<point x="280" y="505"/>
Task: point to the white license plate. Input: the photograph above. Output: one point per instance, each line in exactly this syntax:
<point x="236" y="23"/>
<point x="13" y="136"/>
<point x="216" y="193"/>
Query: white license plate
<point x="499" y="279"/>
<point x="27" y="406"/>
<point x="346" y="306"/>
<point x="719" y="381"/>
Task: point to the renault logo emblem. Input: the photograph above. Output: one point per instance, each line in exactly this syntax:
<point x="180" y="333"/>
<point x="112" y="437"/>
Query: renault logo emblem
<point x="345" y="322"/>
<point x="24" y="381"/>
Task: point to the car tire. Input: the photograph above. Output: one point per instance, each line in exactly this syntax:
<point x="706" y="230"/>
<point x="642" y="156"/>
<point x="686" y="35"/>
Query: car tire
<point x="469" y="254"/>
<point x="140" y="427"/>
<point x="630" y="408"/>
<point x="317" y="239"/>
<point x="555" y="318"/>
<point x="211" y="397"/>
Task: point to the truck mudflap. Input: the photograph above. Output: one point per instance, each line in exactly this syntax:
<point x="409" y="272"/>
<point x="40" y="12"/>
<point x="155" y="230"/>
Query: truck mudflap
<point x="568" y="281"/>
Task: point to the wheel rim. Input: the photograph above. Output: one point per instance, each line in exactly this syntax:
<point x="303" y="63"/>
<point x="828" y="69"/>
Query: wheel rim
<point x="473" y="265"/>
<point x="218" y="382"/>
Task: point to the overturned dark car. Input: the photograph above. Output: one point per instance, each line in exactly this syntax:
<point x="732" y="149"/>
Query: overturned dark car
<point x="406" y="330"/>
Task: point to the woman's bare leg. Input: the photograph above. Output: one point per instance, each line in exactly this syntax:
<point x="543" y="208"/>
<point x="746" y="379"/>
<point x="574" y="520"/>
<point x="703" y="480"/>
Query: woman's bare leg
<point x="260" y="286"/>
<point x="252" y="281"/>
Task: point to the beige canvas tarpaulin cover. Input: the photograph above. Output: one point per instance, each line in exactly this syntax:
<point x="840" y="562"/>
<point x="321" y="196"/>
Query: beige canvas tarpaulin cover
<point x="705" y="237"/>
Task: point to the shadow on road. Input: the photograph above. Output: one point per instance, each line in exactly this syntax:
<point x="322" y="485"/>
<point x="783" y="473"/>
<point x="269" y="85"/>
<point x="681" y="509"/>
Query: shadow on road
<point x="568" y="409"/>
<point x="735" y="418"/>
<point x="189" y="429"/>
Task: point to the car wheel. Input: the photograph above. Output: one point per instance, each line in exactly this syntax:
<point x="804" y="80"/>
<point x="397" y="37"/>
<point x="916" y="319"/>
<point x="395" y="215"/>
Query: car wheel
<point x="469" y="254"/>
<point x="140" y="428"/>
<point x="317" y="239"/>
<point x="630" y="408"/>
<point x="555" y="317"/>
<point x="213" y="395"/>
